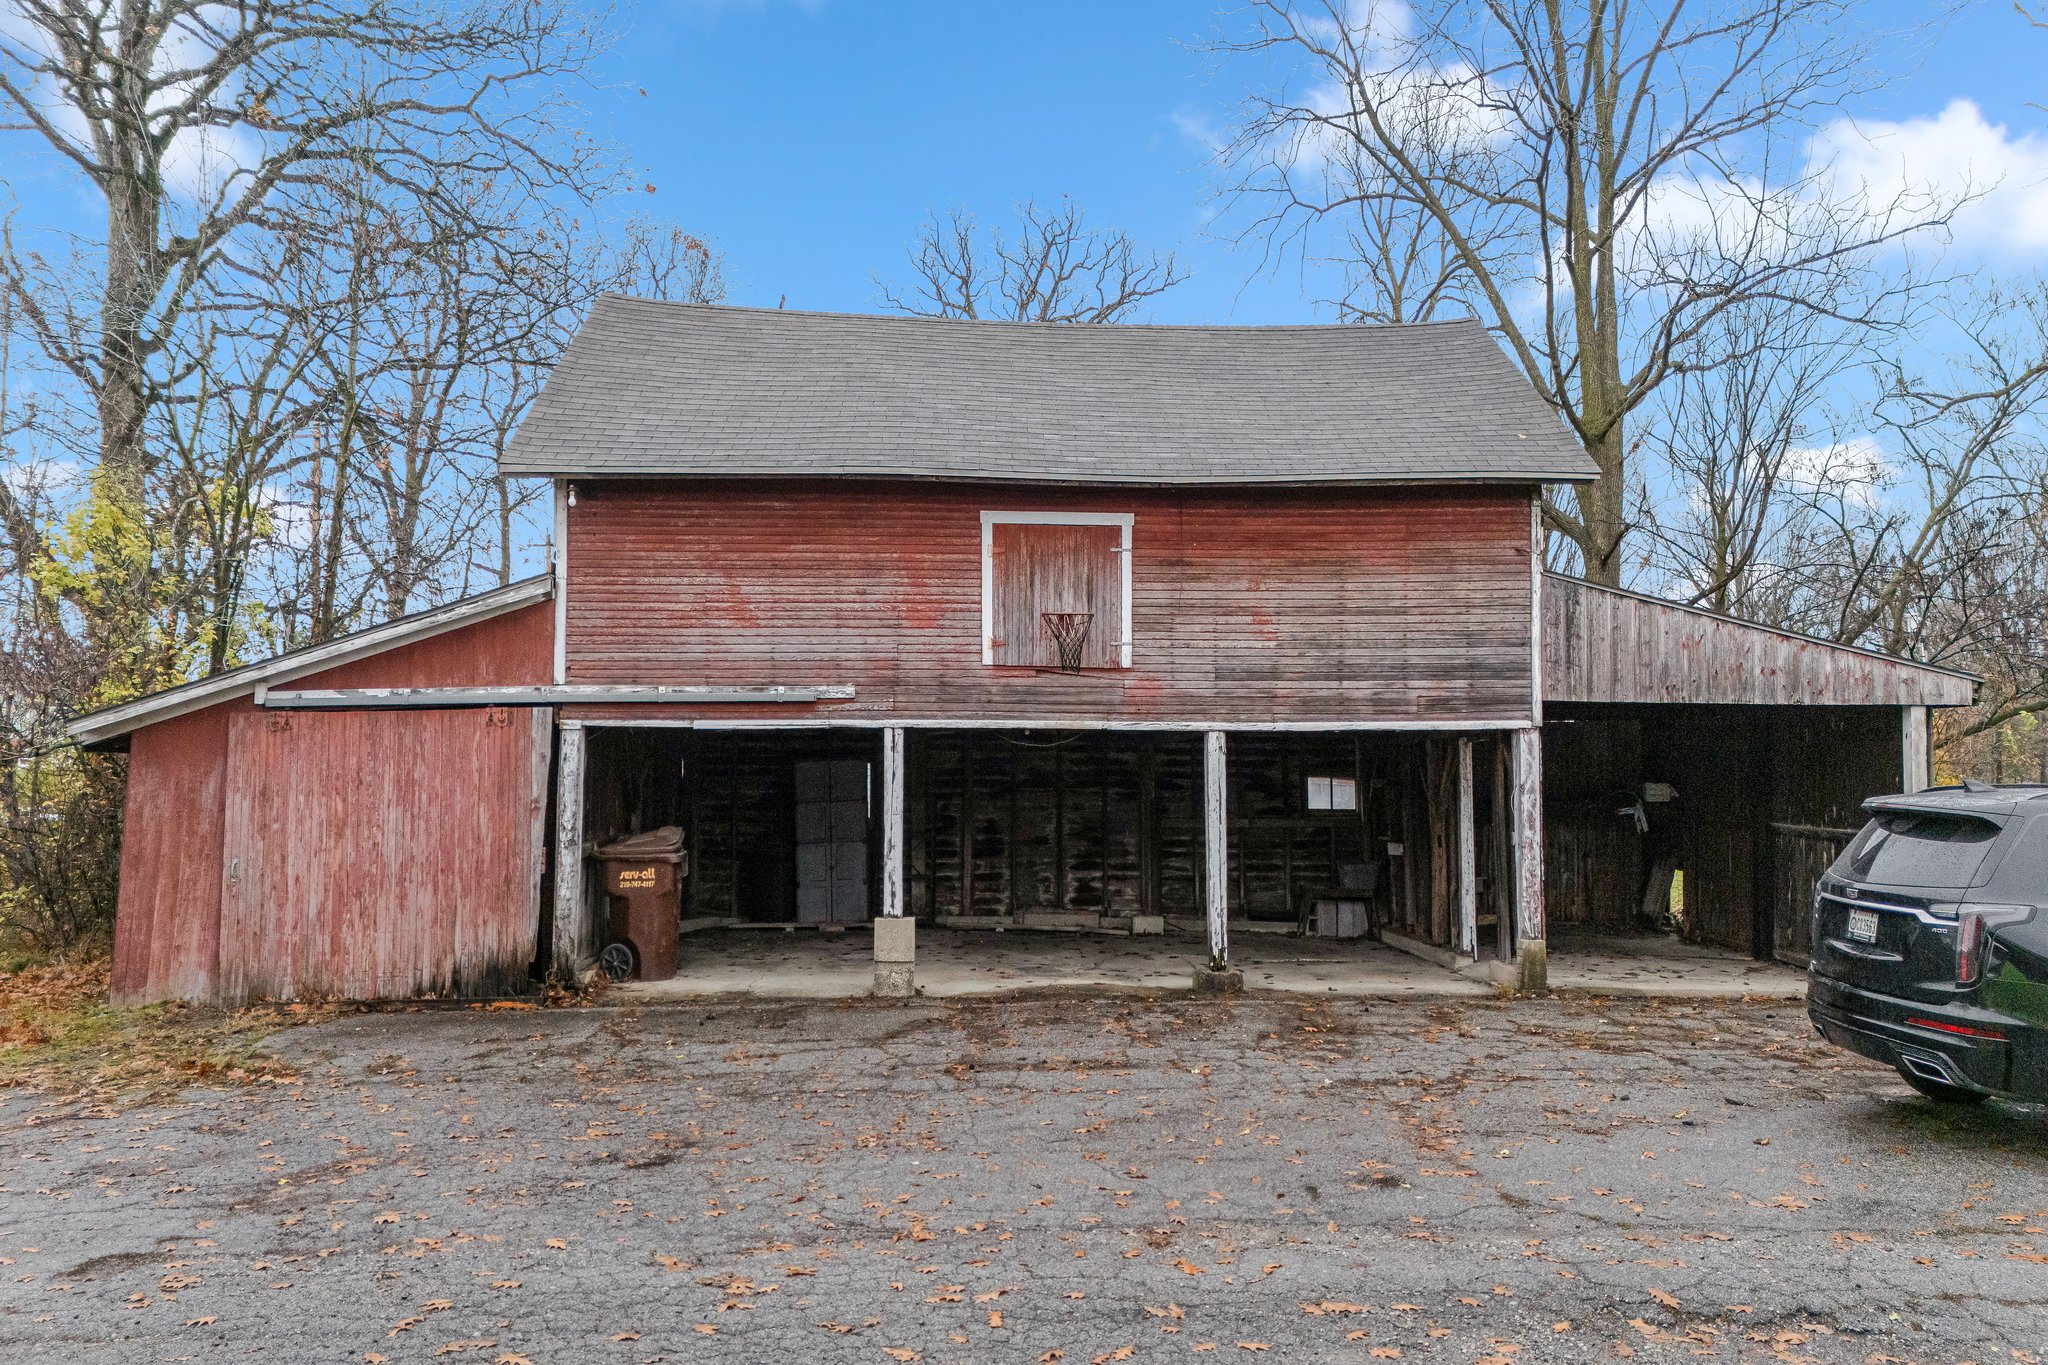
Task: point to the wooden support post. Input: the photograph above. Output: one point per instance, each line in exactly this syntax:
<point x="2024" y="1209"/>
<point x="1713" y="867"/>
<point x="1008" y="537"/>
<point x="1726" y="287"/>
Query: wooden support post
<point x="1530" y="951"/>
<point x="575" y="946"/>
<point x="1468" y="856"/>
<point x="1216" y="848"/>
<point x="895" y="933"/>
<point x="1914" y="750"/>
<point x="892" y="821"/>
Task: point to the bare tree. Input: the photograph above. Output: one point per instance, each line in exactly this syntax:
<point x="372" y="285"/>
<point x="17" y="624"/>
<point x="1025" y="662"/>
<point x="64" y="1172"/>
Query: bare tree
<point x="1740" y="457"/>
<point x="1054" y="268"/>
<point x="1604" y="180"/>
<point x="198" y="124"/>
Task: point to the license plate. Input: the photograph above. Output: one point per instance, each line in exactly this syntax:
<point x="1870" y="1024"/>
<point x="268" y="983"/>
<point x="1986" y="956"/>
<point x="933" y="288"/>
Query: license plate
<point x="1863" y="925"/>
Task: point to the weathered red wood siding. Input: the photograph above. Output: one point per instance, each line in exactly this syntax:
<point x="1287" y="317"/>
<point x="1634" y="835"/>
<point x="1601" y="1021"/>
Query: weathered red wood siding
<point x="518" y="647"/>
<point x="1248" y="606"/>
<point x="168" y="928"/>
<point x="377" y="854"/>
<point x="1602" y="645"/>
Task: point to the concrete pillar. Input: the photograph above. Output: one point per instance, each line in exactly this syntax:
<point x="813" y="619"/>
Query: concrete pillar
<point x="1218" y="976"/>
<point x="895" y="932"/>
<point x="896" y="956"/>
<point x="1531" y="954"/>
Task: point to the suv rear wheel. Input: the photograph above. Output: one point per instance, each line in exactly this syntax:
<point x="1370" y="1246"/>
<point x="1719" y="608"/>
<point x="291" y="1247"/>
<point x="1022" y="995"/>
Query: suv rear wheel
<point x="1941" y="1092"/>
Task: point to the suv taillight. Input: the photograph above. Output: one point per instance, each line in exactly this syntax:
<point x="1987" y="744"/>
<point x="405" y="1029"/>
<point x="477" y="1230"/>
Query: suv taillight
<point x="1973" y="934"/>
<point x="1969" y="947"/>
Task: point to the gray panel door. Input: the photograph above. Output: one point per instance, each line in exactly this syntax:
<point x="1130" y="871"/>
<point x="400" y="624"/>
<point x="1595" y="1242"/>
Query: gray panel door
<point x="832" y="842"/>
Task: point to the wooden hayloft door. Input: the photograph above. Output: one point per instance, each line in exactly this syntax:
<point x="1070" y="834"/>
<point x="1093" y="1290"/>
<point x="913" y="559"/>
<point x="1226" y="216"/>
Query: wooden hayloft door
<point x="1043" y="570"/>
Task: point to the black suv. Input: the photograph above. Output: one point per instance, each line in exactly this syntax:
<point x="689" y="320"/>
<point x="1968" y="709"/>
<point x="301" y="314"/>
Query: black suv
<point x="1930" y="942"/>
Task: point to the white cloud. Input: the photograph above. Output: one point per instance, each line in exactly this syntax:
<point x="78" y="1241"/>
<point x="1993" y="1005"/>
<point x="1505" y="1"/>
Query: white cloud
<point x="1955" y="154"/>
<point x="1855" y="469"/>
<point x="198" y="160"/>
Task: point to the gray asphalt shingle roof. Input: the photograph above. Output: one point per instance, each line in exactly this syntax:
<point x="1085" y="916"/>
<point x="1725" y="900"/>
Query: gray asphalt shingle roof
<point x="653" y="388"/>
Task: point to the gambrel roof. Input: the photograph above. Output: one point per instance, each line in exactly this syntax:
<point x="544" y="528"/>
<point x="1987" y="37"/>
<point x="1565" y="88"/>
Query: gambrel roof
<point x="668" y="389"/>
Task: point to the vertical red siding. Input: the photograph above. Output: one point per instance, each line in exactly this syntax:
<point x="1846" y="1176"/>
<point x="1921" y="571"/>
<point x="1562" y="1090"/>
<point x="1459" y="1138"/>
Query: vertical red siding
<point x="167" y="929"/>
<point x="379" y="853"/>
<point x="339" y="862"/>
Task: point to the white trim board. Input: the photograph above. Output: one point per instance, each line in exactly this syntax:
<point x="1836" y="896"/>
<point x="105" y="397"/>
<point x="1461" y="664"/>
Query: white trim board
<point x="990" y="520"/>
<point x="579" y="694"/>
<point x="882" y="720"/>
<point x="560" y="570"/>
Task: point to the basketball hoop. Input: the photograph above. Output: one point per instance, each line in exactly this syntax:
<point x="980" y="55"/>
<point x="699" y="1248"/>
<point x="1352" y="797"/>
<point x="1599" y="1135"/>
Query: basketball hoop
<point x="1069" y="631"/>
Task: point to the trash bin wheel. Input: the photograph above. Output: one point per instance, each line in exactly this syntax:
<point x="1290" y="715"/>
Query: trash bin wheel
<point x="617" y="961"/>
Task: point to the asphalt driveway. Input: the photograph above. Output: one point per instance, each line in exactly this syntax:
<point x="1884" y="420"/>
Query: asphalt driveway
<point x="1071" y="1179"/>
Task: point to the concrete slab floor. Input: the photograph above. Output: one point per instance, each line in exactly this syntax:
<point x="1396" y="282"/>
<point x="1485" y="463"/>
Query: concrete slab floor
<point x="966" y="962"/>
<point x="1665" y="966"/>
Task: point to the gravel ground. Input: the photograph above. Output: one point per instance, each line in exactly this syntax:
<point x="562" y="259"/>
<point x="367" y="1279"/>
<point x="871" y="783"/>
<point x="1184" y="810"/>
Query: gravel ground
<point x="1072" y="1179"/>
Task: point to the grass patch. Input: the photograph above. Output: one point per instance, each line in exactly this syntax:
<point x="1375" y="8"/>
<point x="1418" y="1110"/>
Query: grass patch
<point x="59" y="1035"/>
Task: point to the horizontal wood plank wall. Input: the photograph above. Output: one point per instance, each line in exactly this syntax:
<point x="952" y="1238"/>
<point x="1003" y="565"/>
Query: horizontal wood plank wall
<point x="167" y="928"/>
<point x="380" y="854"/>
<point x="1600" y="645"/>
<point x="1255" y="606"/>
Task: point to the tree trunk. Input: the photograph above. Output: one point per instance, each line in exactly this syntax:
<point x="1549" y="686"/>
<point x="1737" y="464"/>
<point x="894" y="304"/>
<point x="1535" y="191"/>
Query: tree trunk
<point x="1603" y="509"/>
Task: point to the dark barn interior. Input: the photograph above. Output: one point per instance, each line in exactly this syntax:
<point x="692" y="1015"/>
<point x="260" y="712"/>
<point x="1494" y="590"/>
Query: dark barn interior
<point x="1744" y="804"/>
<point x="1070" y="829"/>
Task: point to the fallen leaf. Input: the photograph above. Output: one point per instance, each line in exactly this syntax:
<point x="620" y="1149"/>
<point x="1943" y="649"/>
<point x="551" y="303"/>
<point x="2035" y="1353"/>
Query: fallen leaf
<point x="625" y="1336"/>
<point x="1187" y="1267"/>
<point x="557" y="1244"/>
<point x="705" y="1329"/>
<point x="1386" y="1352"/>
<point x="1254" y="1346"/>
<point x="1669" y="1300"/>
<point x="901" y="1353"/>
<point x="201" y="1322"/>
<point x="995" y="1317"/>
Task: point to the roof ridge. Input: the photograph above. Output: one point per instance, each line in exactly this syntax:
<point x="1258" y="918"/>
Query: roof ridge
<point x="1028" y="324"/>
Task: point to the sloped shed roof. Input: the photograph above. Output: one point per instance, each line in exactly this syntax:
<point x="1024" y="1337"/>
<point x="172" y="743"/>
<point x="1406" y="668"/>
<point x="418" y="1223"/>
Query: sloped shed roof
<point x="1604" y="644"/>
<point x="669" y="389"/>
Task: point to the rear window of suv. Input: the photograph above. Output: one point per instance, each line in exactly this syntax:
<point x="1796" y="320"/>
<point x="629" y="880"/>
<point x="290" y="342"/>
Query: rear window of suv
<point x="1919" y="848"/>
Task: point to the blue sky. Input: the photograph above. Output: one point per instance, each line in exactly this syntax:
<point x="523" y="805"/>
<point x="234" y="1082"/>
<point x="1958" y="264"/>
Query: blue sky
<point x="808" y="137"/>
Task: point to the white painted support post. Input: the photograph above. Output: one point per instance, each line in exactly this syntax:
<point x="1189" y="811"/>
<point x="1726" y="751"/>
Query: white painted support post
<point x="575" y="945"/>
<point x="1531" y="958"/>
<point x="1913" y="746"/>
<point x="892" y="821"/>
<point x="1216" y="847"/>
<point x="1468" y="856"/>
<point x="895" y="932"/>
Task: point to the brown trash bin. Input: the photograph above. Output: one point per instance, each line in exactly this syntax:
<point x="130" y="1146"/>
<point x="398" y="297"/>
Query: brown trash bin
<point x="643" y="885"/>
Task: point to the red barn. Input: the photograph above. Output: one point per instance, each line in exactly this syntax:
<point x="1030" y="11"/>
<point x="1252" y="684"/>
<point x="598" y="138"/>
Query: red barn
<point x="1122" y="627"/>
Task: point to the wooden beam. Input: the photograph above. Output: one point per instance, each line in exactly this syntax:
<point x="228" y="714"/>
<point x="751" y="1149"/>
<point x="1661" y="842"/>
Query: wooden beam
<point x="1216" y="847"/>
<point x="575" y="946"/>
<point x="892" y="822"/>
<point x="1528" y="817"/>
<point x="585" y="694"/>
<point x="1913" y="749"/>
<point x="1468" y="856"/>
